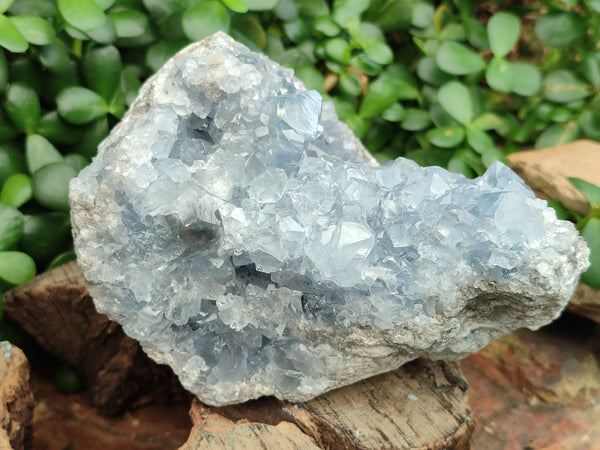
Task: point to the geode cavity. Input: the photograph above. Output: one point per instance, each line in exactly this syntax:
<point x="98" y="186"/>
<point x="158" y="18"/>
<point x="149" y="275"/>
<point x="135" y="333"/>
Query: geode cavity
<point x="242" y="234"/>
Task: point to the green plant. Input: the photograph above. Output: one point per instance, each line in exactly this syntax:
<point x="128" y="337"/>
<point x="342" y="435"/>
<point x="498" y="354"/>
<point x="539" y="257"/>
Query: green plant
<point x="588" y="226"/>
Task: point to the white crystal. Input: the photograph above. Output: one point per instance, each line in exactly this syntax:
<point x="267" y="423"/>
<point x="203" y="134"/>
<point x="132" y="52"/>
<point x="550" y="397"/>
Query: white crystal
<point x="241" y="232"/>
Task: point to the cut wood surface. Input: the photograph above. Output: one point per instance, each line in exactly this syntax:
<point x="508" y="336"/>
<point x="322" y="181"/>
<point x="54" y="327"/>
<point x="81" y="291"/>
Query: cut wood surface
<point x="421" y="405"/>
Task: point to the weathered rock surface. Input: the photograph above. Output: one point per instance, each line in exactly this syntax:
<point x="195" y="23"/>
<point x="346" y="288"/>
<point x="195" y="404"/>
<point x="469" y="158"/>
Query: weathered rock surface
<point x="238" y="230"/>
<point x="57" y="311"/>
<point x="16" y="398"/>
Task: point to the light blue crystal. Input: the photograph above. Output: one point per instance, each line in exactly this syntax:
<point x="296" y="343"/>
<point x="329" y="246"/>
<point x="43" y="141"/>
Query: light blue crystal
<point x="241" y="232"/>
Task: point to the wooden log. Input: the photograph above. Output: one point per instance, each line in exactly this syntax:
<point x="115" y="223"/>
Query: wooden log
<point x="421" y="405"/>
<point x="57" y="311"/>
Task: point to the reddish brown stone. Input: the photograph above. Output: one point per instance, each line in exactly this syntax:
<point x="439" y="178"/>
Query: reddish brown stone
<point x="537" y="389"/>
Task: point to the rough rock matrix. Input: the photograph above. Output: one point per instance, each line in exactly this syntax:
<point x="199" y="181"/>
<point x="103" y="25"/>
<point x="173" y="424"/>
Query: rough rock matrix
<point x="242" y="234"/>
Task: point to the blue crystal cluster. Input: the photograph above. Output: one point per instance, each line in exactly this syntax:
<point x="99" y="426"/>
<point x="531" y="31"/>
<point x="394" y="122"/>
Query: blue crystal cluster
<point x="244" y="236"/>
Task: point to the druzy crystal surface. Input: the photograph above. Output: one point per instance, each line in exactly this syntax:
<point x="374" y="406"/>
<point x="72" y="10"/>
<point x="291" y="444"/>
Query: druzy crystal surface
<point x="244" y="236"/>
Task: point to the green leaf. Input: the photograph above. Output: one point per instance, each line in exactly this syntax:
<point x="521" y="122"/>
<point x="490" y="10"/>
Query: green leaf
<point x="590" y="191"/>
<point x="55" y="56"/>
<point x="528" y="79"/>
<point x="312" y="78"/>
<point x="76" y="161"/>
<point x="11" y="162"/>
<point x="394" y="113"/>
<point x="203" y="19"/>
<point x="16" y="268"/>
<point x="326" y="26"/>
<point x="261" y="5"/>
<point x="428" y="71"/>
<point x="106" y="34"/>
<point x="236" y="5"/>
<point x="78" y="105"/>
<point x="40" y="152"/>
<point x="446" y="137"/>
<point x="10" y="36"/>
<point x="130" y="83"/>
<point x="557" y="134"/>
<point x="22" y="106"/>
<point x="3" y="72"/>
<point x="491" y="155"/>
<point x="51" y="186"/>
<point x="17" y="191"/>
<point x="392" y="15"/>
<point x="455" y="99"/>
<point x="563" y="86"/>
<point x="11" y="226"/>
<point x="379" y="52"/>
<point x="45" y="235"/>
<point x="345" y="16"/>
<point x="487" y="121"/>
<point x="338" y="50"/>
<point x="422" y="14"/>
<point x="415" y="120"/>
<point x="62" y="258"/>
<point x="131" y="23"/>
<point x="503" y="30"/>
<point x="590" y="67"/>
<point x="365" y="65"/>
<point x="383" y="93"/>
<point x="297" y="30"/>
<point x="36" y="30"/>
<point x="457" y="59"/>
<point x="559" y="28"/>
<point x="158" y="54"/>
<point x="101" y="68"/>
<point x="349" y="84"/>
<point x="478" y="139"/>
<point x="591" y="234"/>
<point x="251" y="31"/>
<point x="499" y="75"/>
<point x="562" y="213"/>
<point x="92" y="136"/>
<point x="5" y="4"/>
<point x="590" y="126"/>
<point x="85" y="15"/>
<point x="57" y="130"/>
<point x="476" y="33"/>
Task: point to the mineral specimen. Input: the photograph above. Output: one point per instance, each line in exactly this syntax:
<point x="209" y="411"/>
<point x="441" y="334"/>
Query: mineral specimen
<point x="244" y="236"/>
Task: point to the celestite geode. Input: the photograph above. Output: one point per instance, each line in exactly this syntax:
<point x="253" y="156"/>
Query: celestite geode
<point x="244" y="236"/>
